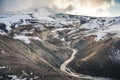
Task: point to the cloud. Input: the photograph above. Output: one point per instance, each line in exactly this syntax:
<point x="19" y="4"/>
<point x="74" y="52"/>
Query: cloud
<point x="97" y="2"/>
<point x="81" y="3"/>
<point x="80" y="7"/>
<point x="41" y="3"/>
<point x="17" y="5"/>
<point x="85" y="7"/>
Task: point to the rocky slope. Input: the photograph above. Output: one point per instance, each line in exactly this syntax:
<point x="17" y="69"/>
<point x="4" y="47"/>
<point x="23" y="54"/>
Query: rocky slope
<point x="97" y="59"/>
<point x="36" y="42"/>
<point x="37" y="60"/>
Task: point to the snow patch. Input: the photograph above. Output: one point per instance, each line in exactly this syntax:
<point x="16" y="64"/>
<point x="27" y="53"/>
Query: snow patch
<point x="22" y="38"/>
<point x="2" y="33"/>
<point x="63" y="39"/>
<point x="3" y="52"/>
<point x="60" y="29"/>
<point x="15" y="18"/>
<point x="100" y="36"/>
<point x="14" y="77"/>
<point x="35" y="38"/>
<point x="2" y="67"/>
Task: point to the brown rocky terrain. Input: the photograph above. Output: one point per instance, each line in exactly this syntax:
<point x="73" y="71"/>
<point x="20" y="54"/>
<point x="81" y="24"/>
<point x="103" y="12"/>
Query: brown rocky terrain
<point x="97" y="58"/>
<point x="37" y="60"/>
<point x="58" y="47"/>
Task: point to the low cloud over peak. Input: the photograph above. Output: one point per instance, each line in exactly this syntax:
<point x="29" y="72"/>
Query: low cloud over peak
<point x="80" y="7"/>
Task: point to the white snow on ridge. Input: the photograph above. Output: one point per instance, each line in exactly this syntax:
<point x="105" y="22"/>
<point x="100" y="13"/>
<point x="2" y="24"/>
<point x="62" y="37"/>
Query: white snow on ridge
<point x="35" y="38"/>
<point x="100" y="36"/>
<point x="22" y="38"/>
<point x="9" y="19"/>
<point x="43" y="14"/>
<point x="101" y="33"/>
<point x="14" y="19"/>
<point x="60" y="29"/>
<point x="90" y="25"/>
<point x="26" y="39"/>
<point x="2" y="33"/>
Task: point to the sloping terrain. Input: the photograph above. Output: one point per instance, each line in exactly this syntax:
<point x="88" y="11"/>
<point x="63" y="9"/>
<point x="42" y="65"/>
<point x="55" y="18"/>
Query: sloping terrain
<point x="37" y="42"/>
<point x="36" y="61"/>
<point x="98" y="59"/>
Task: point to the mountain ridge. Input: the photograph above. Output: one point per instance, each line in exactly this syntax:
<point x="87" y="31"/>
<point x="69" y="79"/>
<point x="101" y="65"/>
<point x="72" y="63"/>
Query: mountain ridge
<point x="42" y="37"/>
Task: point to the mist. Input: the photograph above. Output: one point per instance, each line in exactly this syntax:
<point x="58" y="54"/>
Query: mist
<point x="78" y="7"/>
<point x="18" y="5"/>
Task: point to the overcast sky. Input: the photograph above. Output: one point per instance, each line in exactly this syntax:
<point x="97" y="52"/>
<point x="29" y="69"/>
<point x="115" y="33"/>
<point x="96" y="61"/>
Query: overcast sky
<point x="78" y="7"/>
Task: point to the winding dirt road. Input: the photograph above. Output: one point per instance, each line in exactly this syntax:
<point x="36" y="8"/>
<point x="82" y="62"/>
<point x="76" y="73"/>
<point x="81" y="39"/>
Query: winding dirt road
<point x="64" y="67"/>
<point x="67" y="70"/>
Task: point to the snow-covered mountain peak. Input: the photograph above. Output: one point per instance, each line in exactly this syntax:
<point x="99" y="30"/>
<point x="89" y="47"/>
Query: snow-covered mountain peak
<point x="44" y="10"/>
<point x="59" y="22"/>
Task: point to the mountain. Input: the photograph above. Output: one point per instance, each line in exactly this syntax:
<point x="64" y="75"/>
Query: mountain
<point x="42" y="44"/>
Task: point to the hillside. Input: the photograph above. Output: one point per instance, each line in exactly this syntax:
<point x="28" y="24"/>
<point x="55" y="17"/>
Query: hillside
<point x="35" y="43"/>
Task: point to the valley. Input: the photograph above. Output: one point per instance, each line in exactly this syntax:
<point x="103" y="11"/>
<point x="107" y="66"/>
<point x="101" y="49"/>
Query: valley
<point x="57" y="46"/>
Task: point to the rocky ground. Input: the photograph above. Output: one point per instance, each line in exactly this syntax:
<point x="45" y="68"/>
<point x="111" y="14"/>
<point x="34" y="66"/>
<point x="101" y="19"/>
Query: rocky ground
<point x="34" y="45"/>
<point x="25" y="61"/>
<point x="37" y="60"/>
<point x="97" y="58"/>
